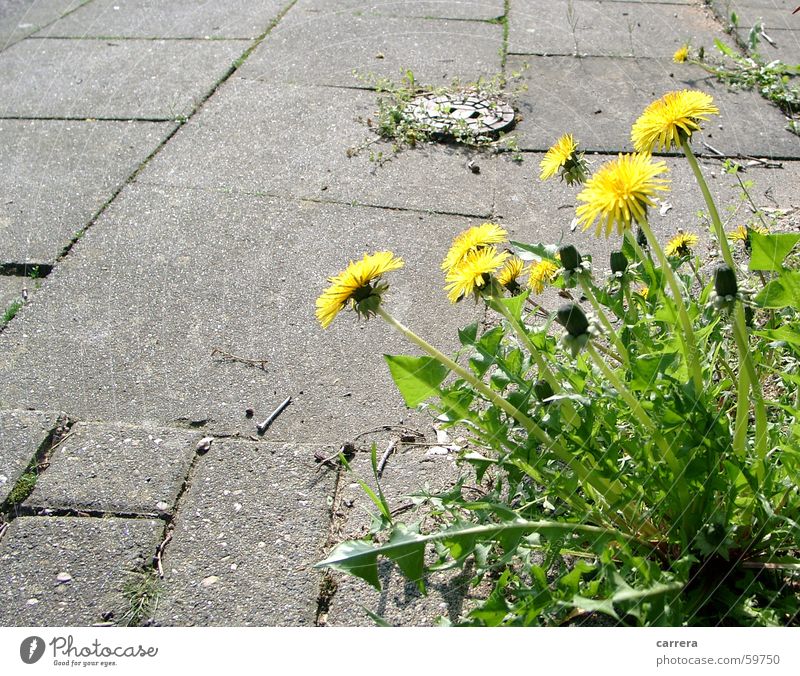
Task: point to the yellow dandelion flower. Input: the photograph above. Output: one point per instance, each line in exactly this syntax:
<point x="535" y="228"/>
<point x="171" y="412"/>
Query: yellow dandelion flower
<point x="471" y="240"/>
<point x="355" y="285"/>
<point x="557" y="156"/>
<point x="671" y="119"/>
<point x="681" y="245"/>
<point x="741" y="233"/>
<point x="542" y="274"/>
<point x="473" y="272"/>
<point x="681" y="55"/>
<point x="643" y="291"/>
<point x="619" y="192"/>
<point x="513" y="269"/>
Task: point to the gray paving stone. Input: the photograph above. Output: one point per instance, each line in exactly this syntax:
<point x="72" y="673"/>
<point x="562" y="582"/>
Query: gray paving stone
<point x="773" y="13"/>
<point x="22" y="433"/>
<point x="158" y="19"/>
<point x="246" y="537"/>
<point x="607" y="95"/>
<point x="55" y="175"/>
<point x="609" y="28"/>
<point x="306" y="132"/>
<point x="116" y="468"/>
<point x="329" y="50"/>
<point x="168" y="275"/>
<point x="408" y="471"/>
<point x="311" y="10"/>
<point x="99" y="556"/>
<point x="113" y="79"/>
<point x="20" y="18"/>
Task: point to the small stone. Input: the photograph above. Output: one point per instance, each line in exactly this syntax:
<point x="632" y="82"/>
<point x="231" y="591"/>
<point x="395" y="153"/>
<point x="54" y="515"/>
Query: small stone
<point x="31" y="602"/>
<point x="210" y="580"/>
<point x="63" y="578"/>
<point x="162" y="506"/>
<point x="204" y="445"/>
<point x="234" y="566"/>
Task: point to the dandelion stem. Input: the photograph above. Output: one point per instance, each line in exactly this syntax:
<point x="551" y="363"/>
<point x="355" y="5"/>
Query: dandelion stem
<point x="609" y="327"/>
<point x="605" y="488"/>
<point x="719" y="231"/>
<point x="692" y="354"/>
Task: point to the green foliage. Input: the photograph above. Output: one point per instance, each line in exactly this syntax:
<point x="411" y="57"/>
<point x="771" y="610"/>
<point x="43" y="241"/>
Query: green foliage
<point x="11" y="310"/>
<point x="774" y="80"/>
<point x="141" y="591"/>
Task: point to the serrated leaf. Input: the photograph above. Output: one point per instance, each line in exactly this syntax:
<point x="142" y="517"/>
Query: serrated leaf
<point x="515" y="305"/>
<point x="769" y="251"/>
<point x="408" y="553"/>
<point x="781" y="292"/>
<point x="355" y="557"/>
<point x="417" y="378"/>
<point x="722" y="47"/>
<point x="545" y="251"/>
<point x="469" y="334"/>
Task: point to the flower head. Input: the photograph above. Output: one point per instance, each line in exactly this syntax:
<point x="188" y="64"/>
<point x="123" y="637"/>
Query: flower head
<point x="542" y="274"/>
<point x="512" y="269"/>
<point x="742" y="233"/>
<point x="562" y="158"/>
<point x="681" y="245"/>
<point x="671" y="120"/>
<point x="359" y="284"/>
<point x="473" y="239"/>
<point x="619" y="192"/>
<point x="681" y="55"/>
<point x="643" y="291"/>
<point x="473" y="272"/>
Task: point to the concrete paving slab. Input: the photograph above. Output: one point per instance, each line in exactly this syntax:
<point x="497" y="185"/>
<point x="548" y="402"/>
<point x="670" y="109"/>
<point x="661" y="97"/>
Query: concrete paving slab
<point x="408" y="471"/>
<point x="20" y="18"/>
<point x="116" y="468"/>
<point x="638" y="29"/>
<point x="166" y="276"/>
<point x="330" y="49"/>
<point x="151" y="79"/>
<point x="22" y="434"/>
<point x="63" y="571"/>
<point x="157" y="19"/>
<point x="773" y="13"/>
<point x="55" y="175"/>
<point x="607" y="95"/>
<point x="306" y="132"/>
<point x="443" y="9"/>
<point x="246" y="537"/>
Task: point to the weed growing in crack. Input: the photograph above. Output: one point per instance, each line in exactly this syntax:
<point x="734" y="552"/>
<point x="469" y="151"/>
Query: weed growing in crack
<point x="11" y="310"/>
<point x="142" y="591"/>
<point x="774" y="80"/>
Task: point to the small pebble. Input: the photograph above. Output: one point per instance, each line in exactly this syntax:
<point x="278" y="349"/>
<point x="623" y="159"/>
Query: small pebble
<point x="208" y="581"/>
<point x="63" y="578"/>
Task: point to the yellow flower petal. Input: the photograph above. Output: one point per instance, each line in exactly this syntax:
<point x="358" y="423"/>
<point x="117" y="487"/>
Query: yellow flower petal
<point x="557" y="156"/>
<point x="620" y="192"/>
<point x="472" y="272"/>
<point x="665" y="123"/>
<point x="514" y="268"/>
<point x="471" y="240"/>
<point x="542" y="274"/>
<point x="681" y="245"/>
<point x="353" y="282"/>
<point x="681" y="55"/>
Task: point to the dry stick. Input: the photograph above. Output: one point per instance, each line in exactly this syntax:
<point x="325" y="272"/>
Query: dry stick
<point x="385" y="457"/>
<point x="258" y="363"/>
<point x="264" y="426"/>
<point x="160" y="553"/>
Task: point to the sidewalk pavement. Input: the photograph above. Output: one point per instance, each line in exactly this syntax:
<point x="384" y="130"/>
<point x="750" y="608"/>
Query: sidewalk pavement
<point x="175" y="188"/>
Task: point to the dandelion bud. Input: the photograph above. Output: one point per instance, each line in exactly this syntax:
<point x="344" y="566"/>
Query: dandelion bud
<point x="572" y="318"/>
<point x="569" y="256"/>
<point x="542" y="389"/>
<point x="725" y="281"/>
<point x="619" y="263"/>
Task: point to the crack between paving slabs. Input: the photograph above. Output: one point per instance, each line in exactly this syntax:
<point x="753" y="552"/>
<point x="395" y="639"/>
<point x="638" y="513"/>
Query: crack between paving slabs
<point x="328" y="584"/>
<point x="47" y="25"/>
<point x="13" y="506"/>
